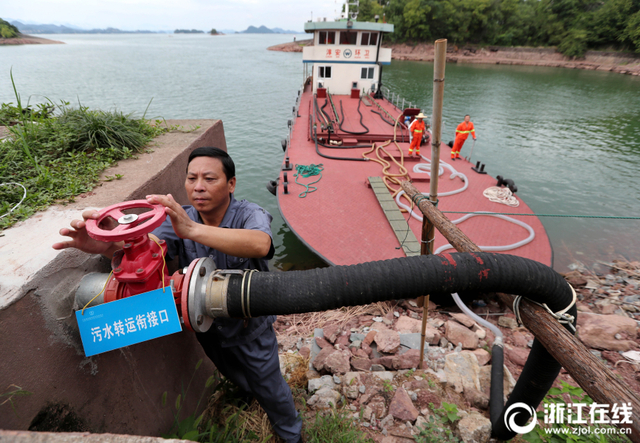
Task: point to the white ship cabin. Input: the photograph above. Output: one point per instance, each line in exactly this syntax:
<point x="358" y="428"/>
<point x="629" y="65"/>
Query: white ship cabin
<point x="346" y="57"/>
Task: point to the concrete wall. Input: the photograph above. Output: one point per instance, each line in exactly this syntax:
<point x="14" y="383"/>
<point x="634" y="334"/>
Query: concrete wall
<point x="40" y="348"/>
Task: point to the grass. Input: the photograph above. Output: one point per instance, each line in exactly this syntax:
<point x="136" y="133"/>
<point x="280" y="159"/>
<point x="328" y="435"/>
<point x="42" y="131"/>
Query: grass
<point x="58" y="152"/>
<point x="11" y="394"/>
<point x="334" y="427"/>
<point x="229" y="419"/>
<point x="438" y="428"/>
<point x="589" y="432"/>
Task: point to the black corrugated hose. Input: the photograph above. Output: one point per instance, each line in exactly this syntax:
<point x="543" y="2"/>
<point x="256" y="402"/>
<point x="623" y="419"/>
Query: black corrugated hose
<point x="409" y="277"/>
<point x="366" y="131"/>
<point x="496" y="391"/>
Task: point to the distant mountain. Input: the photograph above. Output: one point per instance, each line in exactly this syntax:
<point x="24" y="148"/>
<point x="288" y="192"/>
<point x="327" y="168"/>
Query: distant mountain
<point x="261" y="30"/>
<point x="62" y="29"/>
<point x="188" y="31"/>
<point x="264" y="30"/>
<point x="283" y="31"/>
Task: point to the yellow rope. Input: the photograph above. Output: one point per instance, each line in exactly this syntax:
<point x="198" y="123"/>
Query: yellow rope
<point x="164" y="261"/>
<point x="103" y="288"/>
<point x="389" y="177"/>
<point x="164" y="265"/>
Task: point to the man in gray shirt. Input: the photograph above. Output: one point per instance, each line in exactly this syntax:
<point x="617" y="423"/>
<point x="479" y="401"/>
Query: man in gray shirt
<point x="237" y="235"/>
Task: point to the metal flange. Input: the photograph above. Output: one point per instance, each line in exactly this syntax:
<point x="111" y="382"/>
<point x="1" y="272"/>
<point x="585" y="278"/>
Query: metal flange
<point x="199" y="319"/>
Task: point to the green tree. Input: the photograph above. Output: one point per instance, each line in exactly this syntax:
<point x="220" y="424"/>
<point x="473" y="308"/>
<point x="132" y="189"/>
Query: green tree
<point x="574" y="43"/>
<point x="572" y="25"/>
<point x="393" y="13"/>
<point x="632" y="31"/>
<point x="368" y="9"/>
<point x="415" y="14"/>
<point x="510" y="22"/>
<point x="7" y="30"/>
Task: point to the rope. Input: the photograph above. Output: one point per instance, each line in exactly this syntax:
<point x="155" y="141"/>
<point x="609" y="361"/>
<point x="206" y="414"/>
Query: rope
<point x="501" y="195"/>
<point x="24" y="195"/>
<point x="562" y="316"/>
<point x="103" y="288"/>
<point x="621" y="217"/>
<point x="388" y="177"/>
<point x="164" y="261"/>
<point x="308" y="171"/>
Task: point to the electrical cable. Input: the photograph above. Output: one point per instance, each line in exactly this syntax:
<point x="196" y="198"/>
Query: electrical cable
<point x="24" y="195"/>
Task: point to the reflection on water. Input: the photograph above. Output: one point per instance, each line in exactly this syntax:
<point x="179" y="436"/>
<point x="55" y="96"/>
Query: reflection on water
<point x="569" y="138"/>
<point x="292" y="255"/>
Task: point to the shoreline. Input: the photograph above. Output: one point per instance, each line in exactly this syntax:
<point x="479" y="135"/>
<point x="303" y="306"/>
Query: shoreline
<point x="619" y="62"/>
<point x="25" y="39"/>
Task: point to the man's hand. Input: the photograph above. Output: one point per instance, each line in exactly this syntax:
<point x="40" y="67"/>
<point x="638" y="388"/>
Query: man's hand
<point x="237" y="242"/>
<point x="80" y="238"/>
<point x="180" y="221"/>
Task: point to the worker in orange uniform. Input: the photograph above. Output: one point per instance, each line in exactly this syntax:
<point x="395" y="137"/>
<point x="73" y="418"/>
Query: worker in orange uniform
<point x="416" y="129"/>
<point x="462" y="132"/>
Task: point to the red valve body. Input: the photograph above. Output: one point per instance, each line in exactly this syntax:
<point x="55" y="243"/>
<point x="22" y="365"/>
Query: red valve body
<point x="139" y="267"/>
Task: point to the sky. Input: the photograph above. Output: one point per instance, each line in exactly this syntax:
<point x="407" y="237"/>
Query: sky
<point x="167" y="15"/>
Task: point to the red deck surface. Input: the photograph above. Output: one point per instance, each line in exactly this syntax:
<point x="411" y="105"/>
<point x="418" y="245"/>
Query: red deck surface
<point x="343" y="222"/>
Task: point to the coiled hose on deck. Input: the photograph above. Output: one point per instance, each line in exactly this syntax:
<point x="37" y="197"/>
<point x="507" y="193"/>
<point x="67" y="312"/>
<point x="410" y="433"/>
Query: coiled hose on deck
<point x="409" y="277"/>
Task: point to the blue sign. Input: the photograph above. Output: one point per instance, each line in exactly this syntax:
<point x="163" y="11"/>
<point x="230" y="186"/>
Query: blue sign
<point x="347" y="53"/>
<point x="128" y="321"/>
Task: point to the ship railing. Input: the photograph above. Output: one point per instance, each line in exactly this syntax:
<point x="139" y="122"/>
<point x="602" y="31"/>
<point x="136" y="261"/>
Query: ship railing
<point x="292" y="121"/>
<point x="395" y="99"/>
<point x="399" y="102"/>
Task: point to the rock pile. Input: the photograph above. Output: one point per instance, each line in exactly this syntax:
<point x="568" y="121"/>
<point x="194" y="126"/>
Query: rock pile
<point x="371" y="370"/>
<point x="367" y="363"/>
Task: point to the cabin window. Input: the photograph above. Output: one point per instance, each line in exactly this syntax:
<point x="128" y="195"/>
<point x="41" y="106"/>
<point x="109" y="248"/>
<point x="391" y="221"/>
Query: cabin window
<point x="366" y="73"/>
<point x="369" y="38"/>
<point x="327" y="38"/>
<point x="348" y="37"/>
<point x="324" y="71"/>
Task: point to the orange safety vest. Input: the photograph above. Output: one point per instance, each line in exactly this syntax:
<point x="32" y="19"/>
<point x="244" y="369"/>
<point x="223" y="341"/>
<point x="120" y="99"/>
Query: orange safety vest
<point x="464" y="129"/>
<point x="417" y="128"/>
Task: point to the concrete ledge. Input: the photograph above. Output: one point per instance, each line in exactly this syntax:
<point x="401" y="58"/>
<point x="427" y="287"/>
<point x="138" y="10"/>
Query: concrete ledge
<point x="78" y="437"/>
<point x="118" y="391"/>
<point x="26" y="249"/>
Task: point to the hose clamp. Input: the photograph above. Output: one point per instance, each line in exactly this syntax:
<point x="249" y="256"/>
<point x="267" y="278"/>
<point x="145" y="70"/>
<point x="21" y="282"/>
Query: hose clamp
<point x="245" y="304"/>
<point x="217" y="292"/>
<point x="562" y="316"/>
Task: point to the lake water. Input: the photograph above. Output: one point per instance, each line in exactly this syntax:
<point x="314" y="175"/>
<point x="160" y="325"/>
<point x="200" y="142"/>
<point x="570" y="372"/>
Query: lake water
<point x="569" y="138"/>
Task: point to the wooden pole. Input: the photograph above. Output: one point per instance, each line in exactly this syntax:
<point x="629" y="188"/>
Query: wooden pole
<point x="428" y="230"/>
<point x="596" y="379"/>
<point x="439" y="64"/>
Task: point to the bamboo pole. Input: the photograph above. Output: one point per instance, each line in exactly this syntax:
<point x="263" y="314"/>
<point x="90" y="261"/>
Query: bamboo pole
<point x="428" y="229"/>
<point x="440" y="48"/>
<point x="595" y="378"/>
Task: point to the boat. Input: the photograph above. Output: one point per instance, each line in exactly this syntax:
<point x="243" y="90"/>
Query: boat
<point x="348" y="149"/>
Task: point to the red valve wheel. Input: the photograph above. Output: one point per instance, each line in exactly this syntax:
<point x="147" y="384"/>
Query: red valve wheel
<point x="129" y="225"/>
